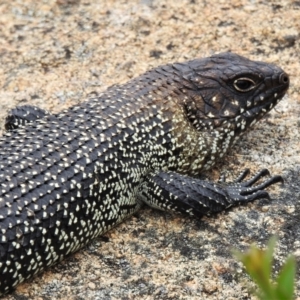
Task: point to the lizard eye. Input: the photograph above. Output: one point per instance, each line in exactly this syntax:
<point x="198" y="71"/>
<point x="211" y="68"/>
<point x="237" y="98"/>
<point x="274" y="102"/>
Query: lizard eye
<point x="244" y="84"/>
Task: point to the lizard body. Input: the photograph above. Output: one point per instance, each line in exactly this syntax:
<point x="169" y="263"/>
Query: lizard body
<point x="69" y="177"/>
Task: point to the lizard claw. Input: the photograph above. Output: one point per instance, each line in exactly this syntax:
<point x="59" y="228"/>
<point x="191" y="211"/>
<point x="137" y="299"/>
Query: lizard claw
<point x="242" y="176"/>
<point x="222" y="178"/>
<point x="256" y="177"/>
<point x="244" y="191"/>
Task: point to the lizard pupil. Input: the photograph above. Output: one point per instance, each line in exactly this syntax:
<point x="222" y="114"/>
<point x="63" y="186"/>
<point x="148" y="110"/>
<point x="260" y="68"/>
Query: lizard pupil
<point x="244" y="84"/>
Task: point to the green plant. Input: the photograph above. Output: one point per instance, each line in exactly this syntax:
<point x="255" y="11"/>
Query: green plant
<point x="258" y="264"/>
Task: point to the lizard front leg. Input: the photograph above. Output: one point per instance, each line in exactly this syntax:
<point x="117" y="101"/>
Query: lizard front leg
<point x="171" y="191"/>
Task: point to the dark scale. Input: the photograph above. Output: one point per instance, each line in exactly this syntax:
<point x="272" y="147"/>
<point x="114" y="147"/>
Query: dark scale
<point x="69" y="177"/>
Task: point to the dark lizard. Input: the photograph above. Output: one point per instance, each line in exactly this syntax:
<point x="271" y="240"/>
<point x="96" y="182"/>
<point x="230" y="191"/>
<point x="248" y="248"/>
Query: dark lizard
<point x="68" y="177"/>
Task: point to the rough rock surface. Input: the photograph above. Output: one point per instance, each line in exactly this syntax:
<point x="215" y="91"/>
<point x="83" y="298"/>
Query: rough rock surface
<point x="57" y="53"/>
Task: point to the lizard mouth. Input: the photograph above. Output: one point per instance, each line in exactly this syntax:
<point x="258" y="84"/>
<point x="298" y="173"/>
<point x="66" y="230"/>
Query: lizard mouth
<point x="262" y="105"/>
<point x="255" y="110"/>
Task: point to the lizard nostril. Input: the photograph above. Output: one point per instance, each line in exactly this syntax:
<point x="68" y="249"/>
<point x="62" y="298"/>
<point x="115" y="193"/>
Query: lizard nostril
<point x="284" y="78"/>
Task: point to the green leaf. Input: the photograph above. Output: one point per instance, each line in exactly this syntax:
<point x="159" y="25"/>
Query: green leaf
<point x="258" y="264"/>
<point x="286" y="279"/>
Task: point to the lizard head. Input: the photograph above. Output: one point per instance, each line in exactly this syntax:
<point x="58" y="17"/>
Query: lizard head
<point x="229" y="93"/>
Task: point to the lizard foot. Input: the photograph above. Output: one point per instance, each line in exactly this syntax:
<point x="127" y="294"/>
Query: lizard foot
<point x="244" y="191"/>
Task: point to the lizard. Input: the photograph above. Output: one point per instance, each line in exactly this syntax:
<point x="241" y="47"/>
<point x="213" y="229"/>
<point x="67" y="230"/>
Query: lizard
<point x="69" y="177"/>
